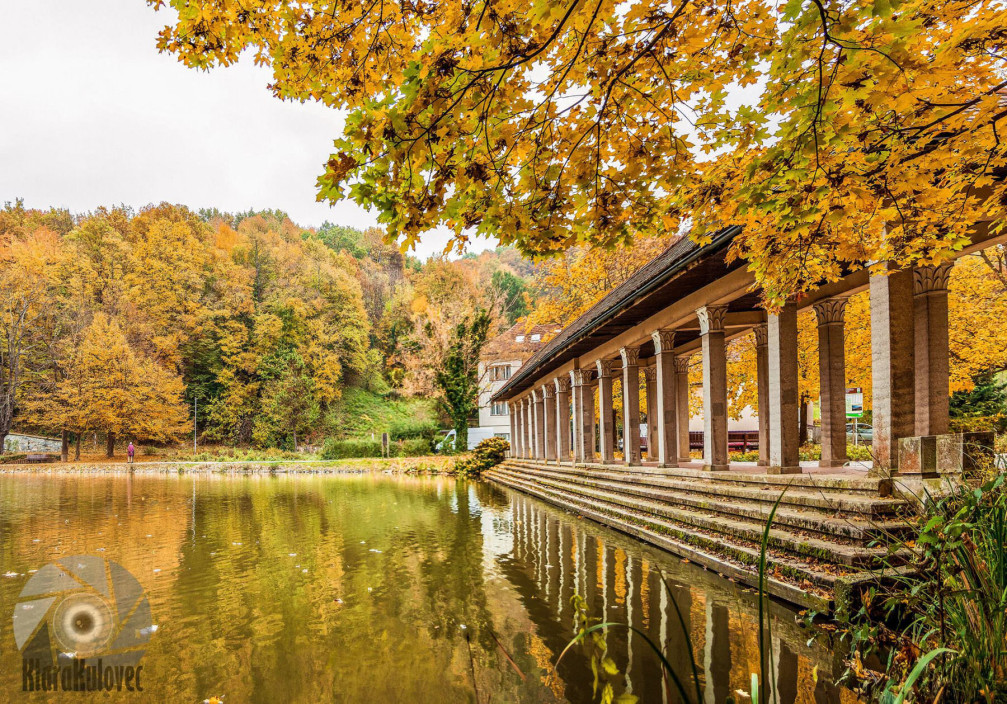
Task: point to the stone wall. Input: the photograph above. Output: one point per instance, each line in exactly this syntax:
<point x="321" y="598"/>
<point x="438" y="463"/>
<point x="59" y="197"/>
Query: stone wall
<point x="17" y="442"/>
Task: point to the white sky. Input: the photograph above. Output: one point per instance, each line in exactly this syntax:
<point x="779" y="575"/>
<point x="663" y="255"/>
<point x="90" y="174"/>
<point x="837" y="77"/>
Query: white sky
<point x="91" y="114"/>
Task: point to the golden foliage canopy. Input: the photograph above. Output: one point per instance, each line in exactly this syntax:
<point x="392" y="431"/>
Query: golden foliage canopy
<point x="837" y="132"/>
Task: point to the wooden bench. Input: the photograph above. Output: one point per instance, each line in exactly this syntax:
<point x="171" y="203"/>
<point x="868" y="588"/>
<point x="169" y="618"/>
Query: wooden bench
<point x="38" y="457"/>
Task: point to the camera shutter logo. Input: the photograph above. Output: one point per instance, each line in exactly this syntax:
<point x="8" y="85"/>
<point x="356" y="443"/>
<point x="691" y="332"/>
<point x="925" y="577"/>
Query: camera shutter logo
<point x="84" y="607"/>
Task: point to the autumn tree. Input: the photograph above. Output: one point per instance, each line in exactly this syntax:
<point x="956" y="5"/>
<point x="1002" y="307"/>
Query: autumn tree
<point x="110" y="389"/>
<point x="838" y="133"/>
<point x="458" y="376"/>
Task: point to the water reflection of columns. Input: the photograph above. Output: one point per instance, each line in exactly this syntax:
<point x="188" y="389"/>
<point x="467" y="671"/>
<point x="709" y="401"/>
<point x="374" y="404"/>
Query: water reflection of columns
<point x="717" y="653"/>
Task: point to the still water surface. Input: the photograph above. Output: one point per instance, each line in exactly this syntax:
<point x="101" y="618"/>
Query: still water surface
<point x="378" y="588"/>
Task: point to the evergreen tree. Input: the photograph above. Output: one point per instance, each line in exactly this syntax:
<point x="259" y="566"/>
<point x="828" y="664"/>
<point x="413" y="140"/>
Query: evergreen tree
<point x="458" y="377"/>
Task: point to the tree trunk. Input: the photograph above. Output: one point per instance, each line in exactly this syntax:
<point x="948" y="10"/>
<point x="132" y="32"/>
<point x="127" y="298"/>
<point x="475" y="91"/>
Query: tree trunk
<point x="64" y="450"/>
<point x="76" y="448"/>
<point x="295" y="439"/>
<point x="804" y="422"/>
<point x="110" y="445"/>
<point x="3" y="441"/>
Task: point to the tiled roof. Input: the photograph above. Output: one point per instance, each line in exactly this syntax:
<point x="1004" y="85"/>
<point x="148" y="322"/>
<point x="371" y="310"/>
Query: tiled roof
<point x="657" y="271"/>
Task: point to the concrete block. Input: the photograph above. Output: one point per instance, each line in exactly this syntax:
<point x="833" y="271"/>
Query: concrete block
<point x="918" y="455"/>
<point x="964" y="452"/>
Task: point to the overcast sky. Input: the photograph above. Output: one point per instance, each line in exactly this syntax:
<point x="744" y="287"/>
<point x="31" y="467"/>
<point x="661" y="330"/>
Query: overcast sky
<point x="91" y="114"/>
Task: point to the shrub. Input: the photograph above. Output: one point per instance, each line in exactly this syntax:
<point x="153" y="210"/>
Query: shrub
<point x="412" y="429"/>
<point x="347" y="449"/>
<point x="486" y="455"/>
<point x="415" y="447"/>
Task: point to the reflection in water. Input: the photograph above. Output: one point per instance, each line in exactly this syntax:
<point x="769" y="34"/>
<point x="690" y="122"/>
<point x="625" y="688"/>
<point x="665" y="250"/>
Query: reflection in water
<point x="384" y="589"/>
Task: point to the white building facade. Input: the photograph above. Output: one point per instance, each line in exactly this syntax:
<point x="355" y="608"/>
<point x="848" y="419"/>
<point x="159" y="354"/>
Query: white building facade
<point x="501" y="359"/>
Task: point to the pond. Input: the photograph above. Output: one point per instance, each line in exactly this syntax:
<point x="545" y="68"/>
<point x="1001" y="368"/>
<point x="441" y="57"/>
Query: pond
<point x="381" y="588"/>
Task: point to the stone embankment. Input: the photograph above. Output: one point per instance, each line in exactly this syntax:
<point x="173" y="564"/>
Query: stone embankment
<point x="431" y="465"/>
<point x="827" y="541"/>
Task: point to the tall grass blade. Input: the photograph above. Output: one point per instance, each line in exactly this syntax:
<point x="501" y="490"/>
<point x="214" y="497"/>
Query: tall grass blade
<point x="921" y="665"/>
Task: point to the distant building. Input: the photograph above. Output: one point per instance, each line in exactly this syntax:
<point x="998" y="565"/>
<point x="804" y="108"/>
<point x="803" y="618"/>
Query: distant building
<point x="501" y="358"/>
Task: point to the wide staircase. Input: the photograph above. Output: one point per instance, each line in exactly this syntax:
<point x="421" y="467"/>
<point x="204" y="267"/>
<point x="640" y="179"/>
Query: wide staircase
<point x="831" y="536"/>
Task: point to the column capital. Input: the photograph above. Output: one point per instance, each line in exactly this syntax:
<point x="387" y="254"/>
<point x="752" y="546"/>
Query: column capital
<point x="535" y="396"/>
<point x="761" y="335"/>
<point x="562" y="384"/>
<point x="682" y="365"/>
<point x="664" y="340"/>
<point x="548" y="390"/>
<point x="830" y="311"/>
<point x="927" y="279"/>
<point x="650" y="373"/>
<point x="711" y="318"/>
<point x="605" y="368"/>
<point x="630" y="356"/>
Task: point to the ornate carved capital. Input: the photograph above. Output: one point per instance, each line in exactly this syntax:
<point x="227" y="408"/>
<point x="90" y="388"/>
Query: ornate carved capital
<point x="577" y="377"/>
<point x="548" y="390"/>
<point x="711" y="318"/>
<point x="761" y="335"/>
<point x="562" y="384"/>
<point x="830" y="311"/>
<point x="536" y="396"/>
<point x="650" y="373"/>
<point x="927" y="279"/>
<point x="682" y="365"/>
<point x="605" y="368"/>
<point x="630" y="356"/>
<point x="664" y="340"/>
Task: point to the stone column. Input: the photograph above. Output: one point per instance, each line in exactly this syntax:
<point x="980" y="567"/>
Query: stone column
<point x="930" y="323"/>
<point x="605" y="410"/>
<point x="533" y="440"/>
<point x="832" y="380"/>
<point x="682" y="407"/>
<point x="513" y="429"/>
<point x="893" y="370"/>
<point x="526" y="428"/>
<point x="664" y="430"/>
<point x="539" y="425"/>
<point x="631" y="404"/>
<point x="650" y="384"/>
<point x="589" y="408"/>
<point x="549" y="420"/>
<point x="562" y="384"/>
<point x="577" y="384"/>
<point x="711" y="327"/>
<point x="762" y="382"/>
<point x="784" y="429"/>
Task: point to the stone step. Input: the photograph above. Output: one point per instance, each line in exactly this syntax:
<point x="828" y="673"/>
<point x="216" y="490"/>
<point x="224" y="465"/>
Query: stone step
<point x="802" y="495"/>
<point x="797" y="581"/>
<point x="828" y="522"/>
<point x="872" y="486"/>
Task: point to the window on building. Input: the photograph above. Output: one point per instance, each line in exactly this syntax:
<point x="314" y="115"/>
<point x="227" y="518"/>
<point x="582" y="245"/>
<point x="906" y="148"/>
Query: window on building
<point x="498" y="409"/>
<point x="536" y="338"/>
<point x="501" y="372"/>
<point x="519" y="338"/>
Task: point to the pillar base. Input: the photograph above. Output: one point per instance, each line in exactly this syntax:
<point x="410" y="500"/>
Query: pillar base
<point x="670" y="465"/>
<point x="635" y="463"/>
<point x="833" y="463"/>
<point x="762" y="463"/>
<point x="784" y="470"/>
<point x="716" y="467"/>
<point x="684" y="460"/>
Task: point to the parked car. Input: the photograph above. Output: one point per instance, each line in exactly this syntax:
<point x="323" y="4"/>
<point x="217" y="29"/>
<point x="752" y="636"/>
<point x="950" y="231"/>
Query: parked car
<point x="864" y="431"/>
<point x="445" y="441"/>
